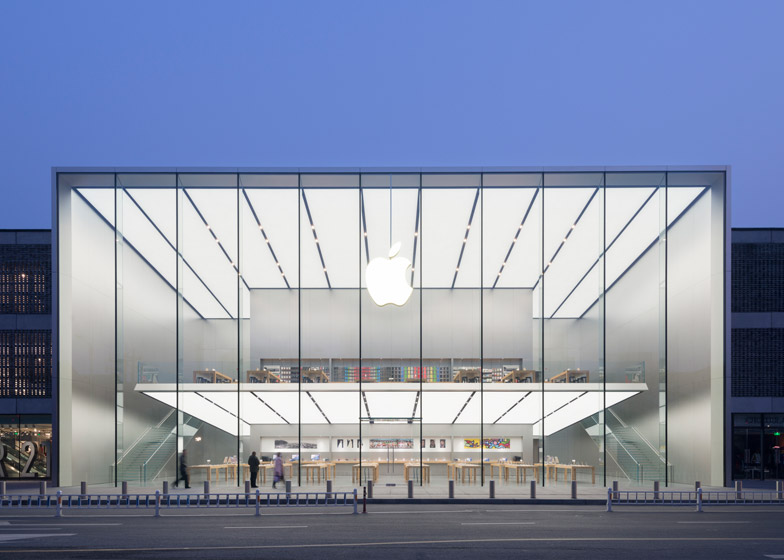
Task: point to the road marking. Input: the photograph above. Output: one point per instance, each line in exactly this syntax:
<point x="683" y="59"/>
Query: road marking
<point x="774" y="556"/>
<point x="423" y="511"/>
<point x="502" y="523"/>
<point x="711" y="523"/>
<point x="18" y="536"/>
<point x="272" y="527"/>
<point x="399" y="543"/>
<point x="6" y="524"/>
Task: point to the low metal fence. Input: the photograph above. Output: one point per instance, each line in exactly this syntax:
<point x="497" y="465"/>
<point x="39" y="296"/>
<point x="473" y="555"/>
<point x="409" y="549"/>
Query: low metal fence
<point x="697" y="498"/>
<point x="61" y="502"/>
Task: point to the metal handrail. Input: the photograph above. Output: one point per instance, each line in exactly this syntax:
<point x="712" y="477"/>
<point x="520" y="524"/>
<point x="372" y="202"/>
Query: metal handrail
<point x="147" y="431"/>
<point x="642" y="438"/>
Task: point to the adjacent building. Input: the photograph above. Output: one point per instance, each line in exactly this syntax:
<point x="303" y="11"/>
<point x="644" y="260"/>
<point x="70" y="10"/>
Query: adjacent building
<point x="26" y="386"/>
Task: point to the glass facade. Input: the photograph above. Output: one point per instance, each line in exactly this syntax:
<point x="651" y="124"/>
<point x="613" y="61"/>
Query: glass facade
<point x="392" y="325"/>
<point x="25" y="446"/>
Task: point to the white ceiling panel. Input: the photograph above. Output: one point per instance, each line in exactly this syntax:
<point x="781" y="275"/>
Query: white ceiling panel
<point x="141" y="233"/>
<point x="277" y="210"/>
<point x="341" y="407"/>
<point x="390" y="405"/>
<point x="678" y="198"/>
<point x="503" y="213"/>
<point x="441" y="407"/>
<point x="160" y="205"/>
<point x="445" y="214"/>
<point x="102" y="200"/>
<point x="219" y="209"/>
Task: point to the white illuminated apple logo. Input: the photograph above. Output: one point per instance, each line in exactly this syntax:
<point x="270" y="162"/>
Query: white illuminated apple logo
<point x="386" y="279"/>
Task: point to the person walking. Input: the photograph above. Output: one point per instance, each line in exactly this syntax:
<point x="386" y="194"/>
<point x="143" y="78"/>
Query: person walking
<point x="183" y="471"/>
<point x="253" y="467"/>
<point x="277" y="470"/>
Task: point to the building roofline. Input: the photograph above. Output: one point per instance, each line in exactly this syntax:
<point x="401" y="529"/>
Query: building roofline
<point x="434" y="169"/>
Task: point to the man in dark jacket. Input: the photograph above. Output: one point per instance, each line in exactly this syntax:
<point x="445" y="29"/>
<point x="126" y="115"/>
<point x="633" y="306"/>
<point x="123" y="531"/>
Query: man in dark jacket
<point x="253" y="466"/>
<point x="183" y="471"/>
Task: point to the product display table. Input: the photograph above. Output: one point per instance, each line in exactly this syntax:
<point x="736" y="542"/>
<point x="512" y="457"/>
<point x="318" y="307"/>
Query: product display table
<point x="571" y="470"/>
<point x="470" y="468"/>
<point x="364" y="468"/>
<point x="271" y="467"/>
<point x="210" y="468"/>
<point x="313" y="471"/>
<point x="520" y="468"/>
<point x="412" y="469"/>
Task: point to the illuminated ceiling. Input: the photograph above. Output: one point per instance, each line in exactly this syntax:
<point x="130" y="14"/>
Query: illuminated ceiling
<point x="324" y="238"/>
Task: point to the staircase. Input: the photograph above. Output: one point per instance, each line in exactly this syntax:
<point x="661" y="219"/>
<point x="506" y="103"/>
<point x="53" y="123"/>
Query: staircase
<point x="636" y="458"/>
<point x="148" y="451"/>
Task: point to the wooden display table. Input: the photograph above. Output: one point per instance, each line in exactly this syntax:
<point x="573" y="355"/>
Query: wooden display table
<point x="314" y="376"/>
<point x="520" y="468"/>
<point x="261" y="376"/>
<point x="210" y="468"/>
<point x="313" y="471"/>
<point x="356" y="471"/>
<point x="470" y="468"/>
<point x="467" y="376"/>
<point x="520" y="376"/>
<point x="412" y="468"/>
<point x="571" y="470"/>
<point x="211" y="376"/>
<point x="570" y="376"/>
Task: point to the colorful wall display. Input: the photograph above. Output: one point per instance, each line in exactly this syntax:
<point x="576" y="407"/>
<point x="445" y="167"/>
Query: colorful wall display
<point x="489" y="443"/>
<point x="392" y="443"/>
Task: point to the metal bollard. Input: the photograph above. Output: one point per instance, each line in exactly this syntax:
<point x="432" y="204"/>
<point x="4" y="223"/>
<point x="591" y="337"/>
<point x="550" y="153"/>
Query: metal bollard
<point x="533" y="489"/>
<point x="697" y="485"/>
<point x="42" y="488"/>
<point x="58" y="512"/>
<point x="655" y="489"/>
<point x="125" y="488"/>
<point x="410" y="488"/>
<point x="615" y="489"/>
<point x="2" y="488"/>
<point x="84" y="489"/>
<point x="329" y="487"/>
<point x="247" y="486"/>
<point x="574" y="489"/>
<point x="157" y="503"/>
<point x="699" y="499"/>
<point x="165" y="487"/>
<point x="355" y="501"/>
<point x="610" y="495"/>
<point x="780" y="489"/>
<point x="206" y="487"/>
<point x="370" y="489"/>
<point x="738" y="489"/>
<point x="288" y="490"/>
<point x="364" y="498"/>
<point x="258" y="503"/>
<point x="492" y="488"/>
<point x="451" y="489"/>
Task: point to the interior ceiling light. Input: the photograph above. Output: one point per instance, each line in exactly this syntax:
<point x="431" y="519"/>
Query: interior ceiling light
<point x="266" y="238"/>
<point x="465" y="237"/>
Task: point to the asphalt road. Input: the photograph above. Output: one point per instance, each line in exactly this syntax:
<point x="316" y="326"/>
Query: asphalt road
<point x="394" y="532"/>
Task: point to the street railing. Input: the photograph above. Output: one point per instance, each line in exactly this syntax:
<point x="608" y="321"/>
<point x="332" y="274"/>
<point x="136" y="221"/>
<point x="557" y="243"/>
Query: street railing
<point x="697" y="498"/>
<point x="157" y="501"/>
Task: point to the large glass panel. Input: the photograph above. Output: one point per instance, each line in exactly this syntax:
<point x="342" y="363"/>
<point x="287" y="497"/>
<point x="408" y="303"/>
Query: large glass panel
<point x="208" y="395"/>
<point x="511" y="262"/>
<point x="573" y="312"/>
<point x="695" y="326"/>
<point x="146" y="326"/>
<point x="86" y="313"/>
<point x="772" y="440"/>
<point x="451" y="247"/>
<point x="330" y="374"/>
<point x="270" y="265"/>
<point x="390" y="210"/>
<point x="635" y="382"/>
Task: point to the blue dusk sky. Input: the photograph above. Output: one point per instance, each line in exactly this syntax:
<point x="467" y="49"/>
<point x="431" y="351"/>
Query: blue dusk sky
<point x="371" y="83"/>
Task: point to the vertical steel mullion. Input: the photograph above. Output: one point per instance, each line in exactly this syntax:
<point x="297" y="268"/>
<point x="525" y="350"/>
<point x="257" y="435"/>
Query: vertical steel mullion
<point x="116" y="387"/>
<point x="481" y="328"/>
<point x="604" y="326"/>
<point x="299" y="329"/>
<point x="541" y="330"/>
<point x="421" y="361"/>
<point x="177" y="327"/>
<point x="239" y="334"/>
<point x="359" y="292"/>
<point x="666" y="353"/>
